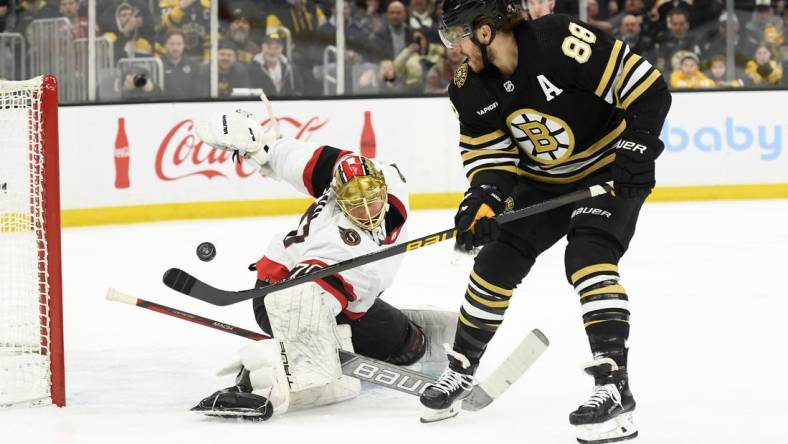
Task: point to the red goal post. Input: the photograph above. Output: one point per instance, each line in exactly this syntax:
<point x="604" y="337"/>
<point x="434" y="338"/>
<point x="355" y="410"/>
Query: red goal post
<point x="31" y="314"/>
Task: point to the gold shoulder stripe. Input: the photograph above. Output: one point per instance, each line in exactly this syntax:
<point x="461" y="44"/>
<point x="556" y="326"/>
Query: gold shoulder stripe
<point x="632" y="96"/>
<point x="481" y="139"/>
<point x="585" y="271"/>
<point x="609" y="69"/>
<point x="631" y="62"/>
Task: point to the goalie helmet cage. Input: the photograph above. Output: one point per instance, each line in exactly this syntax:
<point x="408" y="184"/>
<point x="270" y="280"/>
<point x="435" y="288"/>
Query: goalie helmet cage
<point x="31" y="316"/>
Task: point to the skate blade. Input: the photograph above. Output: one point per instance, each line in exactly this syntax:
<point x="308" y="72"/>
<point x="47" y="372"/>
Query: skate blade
<point x="248" y="415"/>
<point x="433" y="415"/>
<point x="620" y="428"/>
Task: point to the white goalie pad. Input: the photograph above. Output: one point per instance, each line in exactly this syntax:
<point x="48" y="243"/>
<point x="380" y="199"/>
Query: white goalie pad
<point x="439" y="327"/>
<point x="303" y="319"/>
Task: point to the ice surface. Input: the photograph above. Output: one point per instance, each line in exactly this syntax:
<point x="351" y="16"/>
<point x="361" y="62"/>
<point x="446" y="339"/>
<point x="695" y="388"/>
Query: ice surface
<point x="707" y="286"/>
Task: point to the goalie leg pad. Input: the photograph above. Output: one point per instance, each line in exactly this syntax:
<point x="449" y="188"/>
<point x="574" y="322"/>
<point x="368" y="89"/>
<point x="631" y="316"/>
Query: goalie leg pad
<point x="439" y="327"/>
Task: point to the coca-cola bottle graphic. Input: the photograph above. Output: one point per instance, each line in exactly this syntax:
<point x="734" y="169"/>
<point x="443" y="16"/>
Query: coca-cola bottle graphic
<point x="368" y="144"/>
<point x="121" y="156"/>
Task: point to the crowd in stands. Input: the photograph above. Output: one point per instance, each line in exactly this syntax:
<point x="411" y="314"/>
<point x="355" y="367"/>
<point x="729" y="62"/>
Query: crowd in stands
<point x="393" y="47"/>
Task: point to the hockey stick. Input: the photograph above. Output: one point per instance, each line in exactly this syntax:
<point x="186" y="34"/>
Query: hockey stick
<point x="379" y="372"/>
<point x="189" y="285"/>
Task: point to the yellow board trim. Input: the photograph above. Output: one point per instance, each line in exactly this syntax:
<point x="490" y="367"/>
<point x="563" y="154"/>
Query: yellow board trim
<point x="489" y="286"/>
<point x="422" y="201"/>
<point x="585" y="271"/>
<point x="611" y="64"/>
<point x="481" y="139"/>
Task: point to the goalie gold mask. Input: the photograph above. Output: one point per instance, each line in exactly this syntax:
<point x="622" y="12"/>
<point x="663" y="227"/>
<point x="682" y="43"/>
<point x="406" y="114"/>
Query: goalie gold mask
<point x="361" y="191"/>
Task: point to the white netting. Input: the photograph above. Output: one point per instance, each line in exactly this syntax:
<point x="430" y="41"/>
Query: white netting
<point x="24" y="310"/>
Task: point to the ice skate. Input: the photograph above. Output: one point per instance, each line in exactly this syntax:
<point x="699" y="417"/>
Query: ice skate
<point x="607" y="415"/>
<point x="237" y="401"/>
<point x="443" y="399"/>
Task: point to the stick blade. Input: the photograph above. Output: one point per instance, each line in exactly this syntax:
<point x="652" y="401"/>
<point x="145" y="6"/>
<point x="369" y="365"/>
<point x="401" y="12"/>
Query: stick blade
<point x="185" y="283"/>
<point x="526" y="353"/>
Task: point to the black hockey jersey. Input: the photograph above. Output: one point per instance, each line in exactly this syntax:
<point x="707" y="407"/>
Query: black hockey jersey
<point x="556" y="118"/>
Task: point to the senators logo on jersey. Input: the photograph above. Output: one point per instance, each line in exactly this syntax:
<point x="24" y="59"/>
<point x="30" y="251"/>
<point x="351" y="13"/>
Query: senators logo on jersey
<point x="349" y="236"/>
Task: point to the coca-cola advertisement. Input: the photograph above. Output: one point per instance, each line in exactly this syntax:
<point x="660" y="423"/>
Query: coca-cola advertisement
<point x="158" y="160"/>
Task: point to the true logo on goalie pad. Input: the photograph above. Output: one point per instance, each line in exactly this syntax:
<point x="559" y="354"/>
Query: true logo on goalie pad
<point x="286" y="364"/>
<point x="349" y="236"/>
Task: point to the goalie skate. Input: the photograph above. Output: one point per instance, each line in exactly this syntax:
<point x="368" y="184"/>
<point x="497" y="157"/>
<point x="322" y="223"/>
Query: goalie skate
<point x="607" y="416"/>
<point x="235" y="402"/>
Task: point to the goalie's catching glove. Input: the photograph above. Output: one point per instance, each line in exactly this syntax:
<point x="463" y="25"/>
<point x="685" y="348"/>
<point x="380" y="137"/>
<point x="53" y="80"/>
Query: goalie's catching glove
<point x="474" y="220"/>
<point x="238" y="132"/>
<point x="633" y="168"/>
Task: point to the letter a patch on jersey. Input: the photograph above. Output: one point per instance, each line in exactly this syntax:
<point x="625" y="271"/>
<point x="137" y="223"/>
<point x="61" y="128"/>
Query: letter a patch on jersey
<point x="550" y="91"/>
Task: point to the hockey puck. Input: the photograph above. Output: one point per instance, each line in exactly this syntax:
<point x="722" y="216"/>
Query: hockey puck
<point x="206" y="251"/>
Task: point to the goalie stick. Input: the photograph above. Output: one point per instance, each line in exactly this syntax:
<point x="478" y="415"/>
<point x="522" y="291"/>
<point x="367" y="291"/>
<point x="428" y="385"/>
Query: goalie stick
<point x="378" y="372"/>
<point x="189" y="285"/>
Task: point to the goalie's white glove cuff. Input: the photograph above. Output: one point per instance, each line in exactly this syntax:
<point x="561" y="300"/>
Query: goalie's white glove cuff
<point x="238" y="131"/>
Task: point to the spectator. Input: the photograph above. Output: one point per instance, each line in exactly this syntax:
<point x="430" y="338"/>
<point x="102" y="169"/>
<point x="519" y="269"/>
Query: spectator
<point x="630" y="33"/>
<point x="79" y="24"/>
<point x="232" y="73"/>
<point x="416" y="59"/>
<point x="137" y="84"/>
<point x="688" y="74"/>
<point x="240" y="34"/>
<point x="390" y="83"/>
<point x="129" y="33"/>
<point x="371" y="18"/>
<point x="767" y="27"/>
<point x="193" y="19"/>
<point x="718" y="73"/>
<point x="354" y="35"/>
<point x="744" y="41"/>
<point x="762" y="69"/>
<point x="637" y="9"/>
<point x="48" y="9"/>
<point x="181" y="74"/>
<point x="302" y="18"/>
<point x="271" y="70"/>
<point x="422" y="17"/>
<point x="6" y="12"/>
<point x="441" y="74"/>
<point x="595" y="19"/>
<point x="395" y="35"/>
<point x="539" y="8"/>
<point x="678" y="41"/>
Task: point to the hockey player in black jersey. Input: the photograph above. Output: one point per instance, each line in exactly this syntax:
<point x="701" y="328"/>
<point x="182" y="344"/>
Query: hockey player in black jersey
<point x="547" y="107"/>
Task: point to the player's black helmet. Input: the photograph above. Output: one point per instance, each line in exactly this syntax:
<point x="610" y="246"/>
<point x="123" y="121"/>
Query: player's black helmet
<point x="459" y="15"/>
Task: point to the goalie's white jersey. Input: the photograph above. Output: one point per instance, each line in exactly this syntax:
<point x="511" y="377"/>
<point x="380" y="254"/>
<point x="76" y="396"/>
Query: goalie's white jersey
<point x="325" y="236"/>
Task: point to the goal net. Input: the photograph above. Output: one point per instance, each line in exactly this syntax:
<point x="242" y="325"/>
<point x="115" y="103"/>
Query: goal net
<point x="31" y="343"/>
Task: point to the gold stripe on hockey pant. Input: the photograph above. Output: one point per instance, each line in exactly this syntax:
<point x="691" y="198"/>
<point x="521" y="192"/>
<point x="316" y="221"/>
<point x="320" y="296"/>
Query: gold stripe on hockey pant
<point x="602" y="299"/>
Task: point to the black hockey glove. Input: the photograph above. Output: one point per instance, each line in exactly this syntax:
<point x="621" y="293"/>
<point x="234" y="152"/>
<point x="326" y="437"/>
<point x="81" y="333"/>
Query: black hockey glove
<point x="474" y="220"/>
<point x="633" y="169"/>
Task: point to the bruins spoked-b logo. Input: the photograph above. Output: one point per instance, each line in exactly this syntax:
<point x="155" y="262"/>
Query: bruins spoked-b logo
<point x="546" y="139"/>
<point x="460" y="74"/>
<point x="349" y="236"/>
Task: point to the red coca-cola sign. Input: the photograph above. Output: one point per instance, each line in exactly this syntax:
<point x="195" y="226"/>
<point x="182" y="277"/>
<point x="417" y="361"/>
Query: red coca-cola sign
<point x="182" y="154"/>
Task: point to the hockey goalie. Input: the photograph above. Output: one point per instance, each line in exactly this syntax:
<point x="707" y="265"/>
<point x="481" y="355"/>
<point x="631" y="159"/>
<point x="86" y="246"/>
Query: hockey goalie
<point x="360" y="207"/>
